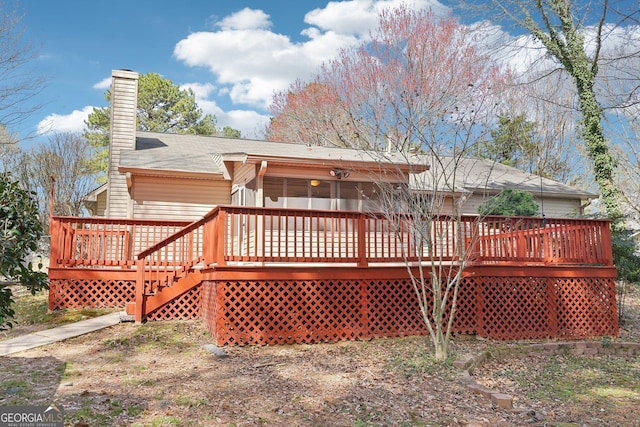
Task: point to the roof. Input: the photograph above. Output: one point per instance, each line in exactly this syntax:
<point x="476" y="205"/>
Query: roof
<point x="198" y="154"/>
<point x="473" y="175"/>
<point x="92" y="196"/>
<point x="201" y="154"/>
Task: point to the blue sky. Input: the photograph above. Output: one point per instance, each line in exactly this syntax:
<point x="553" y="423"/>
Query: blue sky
<point x="234" y="54"/>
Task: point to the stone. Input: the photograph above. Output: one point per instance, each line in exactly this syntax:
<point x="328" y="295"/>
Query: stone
<point x="466" y="378"/>
<point x="501" y="400"/>
<point x="215" y="350"/>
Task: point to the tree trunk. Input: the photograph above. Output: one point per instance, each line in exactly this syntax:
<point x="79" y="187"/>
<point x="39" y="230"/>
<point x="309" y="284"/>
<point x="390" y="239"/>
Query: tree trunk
<point x="441" y="347"/>
<point x="597" y="148"/>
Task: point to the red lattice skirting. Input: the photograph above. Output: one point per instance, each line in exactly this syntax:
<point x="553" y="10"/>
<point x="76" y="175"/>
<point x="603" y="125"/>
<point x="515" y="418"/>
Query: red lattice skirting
<point x="95" y="293"/>
<point x="112" y="288"/>
<point x="101" y="293"/>
<point x="306" y="305"/>
<point x="549" y="302"/>
<point x="245" y="307"/>
<point x="186" y="306"/>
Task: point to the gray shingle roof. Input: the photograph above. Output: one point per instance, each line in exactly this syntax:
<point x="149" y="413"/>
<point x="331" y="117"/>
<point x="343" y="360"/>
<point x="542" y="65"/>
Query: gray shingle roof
<point x="202" y="154"/>
<point x="195" y="153"/>
<point x="473" y="174"/>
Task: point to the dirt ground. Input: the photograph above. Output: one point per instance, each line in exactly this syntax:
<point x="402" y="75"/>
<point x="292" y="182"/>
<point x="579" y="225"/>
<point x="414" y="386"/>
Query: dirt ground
<point x="161" y="374"/>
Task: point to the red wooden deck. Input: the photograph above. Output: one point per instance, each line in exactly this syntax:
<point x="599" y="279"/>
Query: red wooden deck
<point x="259" y="275"/>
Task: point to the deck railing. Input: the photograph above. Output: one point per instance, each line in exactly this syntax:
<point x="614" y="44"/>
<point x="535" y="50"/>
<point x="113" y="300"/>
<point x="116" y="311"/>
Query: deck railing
<point x="268" y="235"/>
<point x="230" y="234"/>
<point x="103" y="242"/>
<point x="544" y="241"/>
<point x="164" y="252"/>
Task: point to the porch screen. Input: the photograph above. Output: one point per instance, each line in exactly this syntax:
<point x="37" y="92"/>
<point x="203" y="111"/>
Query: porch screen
<point x="320" y="194"/>
<point x="358" y="196"/>
<point x="297" y="193"/>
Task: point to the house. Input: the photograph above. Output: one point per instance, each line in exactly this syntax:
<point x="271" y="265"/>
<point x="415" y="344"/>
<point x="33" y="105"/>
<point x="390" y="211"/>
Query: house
<point x="279" y="243"/>
<point x="174" y="176"/>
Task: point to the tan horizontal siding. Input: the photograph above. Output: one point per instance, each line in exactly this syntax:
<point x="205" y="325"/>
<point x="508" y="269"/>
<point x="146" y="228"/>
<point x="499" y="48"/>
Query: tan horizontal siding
<point x="560" y="208"/>
<point x="101" y="204"/>
<point x="553" y="207"/>
<point x="170" y="210"/>
<point x="124" y="88"/>
<point x="119" y="198"/>
<point x="177" y="198"/>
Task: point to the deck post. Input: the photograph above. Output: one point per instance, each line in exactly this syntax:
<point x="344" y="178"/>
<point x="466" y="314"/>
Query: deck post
<point x="220" y="230"/>
<point x="140" y="306"/>
<point x="474" y="254"/>
<point x="209" y="242"/>
<point x="521" y="244"/>
<point x="54" y="242"/>
<point x="68" y="235"/>
<point x="607" y="254"/>
<point x="128" y="242"/>
<point x="362" y="247"/>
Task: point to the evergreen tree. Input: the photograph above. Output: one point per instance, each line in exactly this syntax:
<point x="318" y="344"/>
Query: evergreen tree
<point x="20" y="233"/>
<point x="162" y="107"/>
<point x="510" y="203"/>
<point x="515" y="143"/>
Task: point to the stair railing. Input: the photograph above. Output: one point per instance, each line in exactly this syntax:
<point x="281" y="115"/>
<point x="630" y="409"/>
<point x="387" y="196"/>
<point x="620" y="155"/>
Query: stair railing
<point x="161" y="264"/>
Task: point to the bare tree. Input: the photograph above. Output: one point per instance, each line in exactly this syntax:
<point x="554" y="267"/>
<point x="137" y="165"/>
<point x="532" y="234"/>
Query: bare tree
<point x="19" y="84"/>
<point x="628" y="155"/>
<point x="421" y="88"/>
<point x="313" y="113"/>
<point x="62" y="159"/>
<point x="547" y="102"/>
<point x="9" y="150"/>
<point x="576" y="39"/>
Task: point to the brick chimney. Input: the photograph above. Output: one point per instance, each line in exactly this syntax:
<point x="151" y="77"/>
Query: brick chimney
<point x="124" y="100"/>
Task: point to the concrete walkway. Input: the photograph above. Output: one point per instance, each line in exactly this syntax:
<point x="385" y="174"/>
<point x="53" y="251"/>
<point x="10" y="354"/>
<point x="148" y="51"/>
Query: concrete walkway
<point x="49" y="336"/>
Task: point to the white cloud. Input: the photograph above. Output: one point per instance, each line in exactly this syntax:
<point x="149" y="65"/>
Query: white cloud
<point x="249" y="62"/>
<point x="103" y="84"/>
<point x="246" y="19"/>
<point x="524" y="53"/>
<point x="357" y="17"/>
<point x="72" y="122"/>
<point x="253" y="63"/>
<point x="249" y="123"/>
<point x="201" y="90"/>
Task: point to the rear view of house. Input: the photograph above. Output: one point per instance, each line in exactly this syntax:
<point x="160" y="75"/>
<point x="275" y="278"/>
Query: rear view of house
<point x="272" y="242"/>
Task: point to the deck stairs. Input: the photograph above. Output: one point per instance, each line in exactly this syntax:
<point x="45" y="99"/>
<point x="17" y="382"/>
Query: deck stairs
<point x="161" y="280"/>
<point x="175" y="287"/>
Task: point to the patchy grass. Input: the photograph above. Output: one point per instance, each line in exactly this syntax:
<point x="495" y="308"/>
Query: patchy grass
<point x="15" y="390"/>
<point x="32" y="314"/>
<point x="29" y="381"/>
<point x="412" y="360"/>
<point x="32" y="309"/>
<point x="601" y="389"/>
<point x="166" y="421"/>
<point x="584" y="379"/>
<point x="104" y="416"/>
